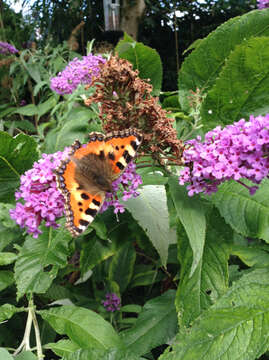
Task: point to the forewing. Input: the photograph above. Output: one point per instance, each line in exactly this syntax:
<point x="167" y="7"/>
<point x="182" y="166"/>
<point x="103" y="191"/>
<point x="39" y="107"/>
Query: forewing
<point x="121" y="148"/>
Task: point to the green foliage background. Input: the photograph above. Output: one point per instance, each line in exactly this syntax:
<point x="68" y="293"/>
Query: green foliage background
<point x="191" y="272"/>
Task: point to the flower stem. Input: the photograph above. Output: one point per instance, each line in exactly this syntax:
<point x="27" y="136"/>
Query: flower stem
<point x="40" y="355"/>
<point x="25" y="344"/>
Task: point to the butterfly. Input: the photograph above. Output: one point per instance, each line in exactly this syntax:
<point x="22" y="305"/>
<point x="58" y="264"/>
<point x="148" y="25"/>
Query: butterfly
<point x="87" y="174"/>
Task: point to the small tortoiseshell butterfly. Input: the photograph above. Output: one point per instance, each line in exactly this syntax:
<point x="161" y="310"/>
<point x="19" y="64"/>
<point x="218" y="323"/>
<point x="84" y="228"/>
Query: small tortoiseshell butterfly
<point x="88" y="173"/>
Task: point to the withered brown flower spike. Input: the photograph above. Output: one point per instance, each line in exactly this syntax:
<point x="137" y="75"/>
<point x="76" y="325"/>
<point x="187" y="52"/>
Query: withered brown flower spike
<point x="125" y="101"/>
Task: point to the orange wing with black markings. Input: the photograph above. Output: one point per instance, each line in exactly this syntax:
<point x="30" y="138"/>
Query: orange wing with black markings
<point x="123" y="145"/>
<point x="88" y="173"/>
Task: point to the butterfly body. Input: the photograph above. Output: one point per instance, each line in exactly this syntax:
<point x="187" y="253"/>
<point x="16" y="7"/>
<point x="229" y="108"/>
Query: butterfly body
<point x="87" y="175"/>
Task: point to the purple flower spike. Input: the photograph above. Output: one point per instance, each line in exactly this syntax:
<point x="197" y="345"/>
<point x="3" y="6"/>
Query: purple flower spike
<point x="77" y="72"/>
<point x="6" y="48"/>
<point x="38" y="190"/>
<point x="262" y="4"/>
<point x="112" y="302"/>
<point x="237" y="151"/>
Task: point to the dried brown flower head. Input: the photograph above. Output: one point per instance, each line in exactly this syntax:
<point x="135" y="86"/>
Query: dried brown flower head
<point x="125" y="101"/>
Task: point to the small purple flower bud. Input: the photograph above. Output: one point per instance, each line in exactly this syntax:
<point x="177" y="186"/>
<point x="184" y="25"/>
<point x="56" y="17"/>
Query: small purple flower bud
<point x="112" y="302"/>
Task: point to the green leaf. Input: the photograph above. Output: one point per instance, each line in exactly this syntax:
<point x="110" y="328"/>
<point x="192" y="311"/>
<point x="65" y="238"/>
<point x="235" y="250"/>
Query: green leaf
<point x="246" y="214"/>
<point x="84" y="327"/>
<point x="202" y="67"/>
<point x="150" y="210"/>
<point x="256" y="255"/>
<point x="33" y="70"/>
<point x="74" y="127"/>
<point x="100" y="228"/>
<point x="62" y="347"/>
<point x="39" y="86"/>
<point x="209" y="281"/>
<point x="7" y="258"/>
<point x="5" y="355"/>
<point x="97" y="354"/>
<point x="27" y="110"/>
<point x="6" y="111"/>
<point x="26" y="355"/>
<point x="93" y="253"/>
<point x="241" y="87"/>
<point x="6" y="279"/>
<point x="235" y="328"/>
<point x="9" y="231"/>
<point x="145" y="278"/>
<point x="155" y="325"/>
<point x="40" y="259"/>
<point x="131" y="308"/>
<point x="154" y="179"/>
<point x="122" y="265"/>
<point x="171" y="102"/>
<point x="24" y="124"/>
<point x="143" y="58"/>
<point x="16" y="156"/>
<point x="191" y="212"/>
<point x="7" y="311"/>
<point x="44" y="107"/>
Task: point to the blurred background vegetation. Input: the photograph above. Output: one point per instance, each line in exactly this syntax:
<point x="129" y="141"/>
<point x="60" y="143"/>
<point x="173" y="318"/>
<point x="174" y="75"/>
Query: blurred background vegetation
<point x="169" y="26"/>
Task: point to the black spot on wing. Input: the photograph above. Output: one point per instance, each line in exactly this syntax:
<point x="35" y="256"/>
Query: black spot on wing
<point x="96" y="202"/>
<point x="84" y="196"/>
<point x="127" y="156"/>
<point x="83" y="222"/>
<point x="91" y="212"/>
<point x="134" y="145"/>
<point x="111" y="156"/>
<point x="119" y="165"/>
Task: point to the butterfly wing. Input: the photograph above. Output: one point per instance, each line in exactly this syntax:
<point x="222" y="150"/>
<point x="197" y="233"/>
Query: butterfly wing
<point x="80" y="206"/>
<point x="121" y="147"/>
<point x="115" y="150"/>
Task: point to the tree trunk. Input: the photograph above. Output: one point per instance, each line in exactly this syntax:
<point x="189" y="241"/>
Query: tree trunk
<point x="131" y="14"/>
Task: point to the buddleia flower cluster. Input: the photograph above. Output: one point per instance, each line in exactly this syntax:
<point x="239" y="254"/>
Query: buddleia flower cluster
<point x="6" y="48"/>
<point x="39" y="201"/>
<point x="77" y="72"/>
<point x="238" y="151"/>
